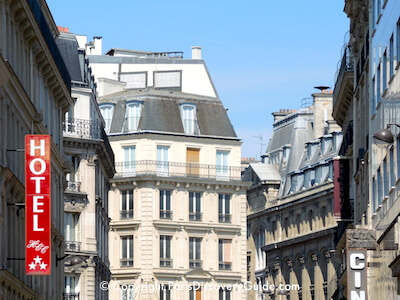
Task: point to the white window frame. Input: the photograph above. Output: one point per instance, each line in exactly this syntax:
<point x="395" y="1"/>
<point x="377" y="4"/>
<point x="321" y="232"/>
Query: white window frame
<point x="195" y="205"/>
<point x="189" y="118"/>
<point x="129" y="249"/>
<point x="132" y="116"/>
<point x="127" y="204"/>
<point x="165" y="202"/>
<point x="71" y="228"/>
<point x="71" y="284"/>
<point x="129" y="159"/>
<point x="223" y="208"/>
<point x="222" y="164"/>
<point x="107" y="110"/>
<point x="162" y="160"/>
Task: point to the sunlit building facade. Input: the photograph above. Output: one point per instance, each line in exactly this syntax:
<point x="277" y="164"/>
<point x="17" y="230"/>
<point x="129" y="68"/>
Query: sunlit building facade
<point x="178" y="203"/>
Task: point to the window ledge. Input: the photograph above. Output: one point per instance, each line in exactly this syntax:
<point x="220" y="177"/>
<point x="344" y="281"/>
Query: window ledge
<point x="397" y="65"/>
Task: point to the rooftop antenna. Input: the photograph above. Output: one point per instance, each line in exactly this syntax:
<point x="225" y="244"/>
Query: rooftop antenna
<point x="260" y="138"/>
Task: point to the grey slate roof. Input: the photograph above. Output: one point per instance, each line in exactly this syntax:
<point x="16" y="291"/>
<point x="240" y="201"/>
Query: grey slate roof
<point x="68" y="46"/>
<point x="161" y="112"/>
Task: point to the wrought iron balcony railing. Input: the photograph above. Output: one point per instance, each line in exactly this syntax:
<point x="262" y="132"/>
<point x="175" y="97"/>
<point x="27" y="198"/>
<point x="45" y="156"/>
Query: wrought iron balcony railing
<point x="74" y="186"/>
<point x="126" y="262"/>
<point x="195" y="216"/>
<point x="71" y="296"/>
<point x="176" y="169"/>
<point x="80" y="128"/>
<point x="224" y="218"/>
<point x="166" y="262"/>
<point x="195" y="264"/>
<point x="165" y="214"/>
<point x="225" y="265"/>
<point x="126" y="214"/>
<point x="72" y="246"/>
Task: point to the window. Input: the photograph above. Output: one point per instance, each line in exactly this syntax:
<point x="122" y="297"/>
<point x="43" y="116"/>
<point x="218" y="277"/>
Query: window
<point x="378" y="84"/>
<point x="136" y="80"/>
<point x="225" y="254"/>
<point x="222" y="165"/>
<point x="127" y="204"/>
<point x="168" y="79"/>
<point x="162" y="161"/>
<point x="259" y="241"/>
<point x="126" y="293"/>
<point x="384" y="71"/>
<point x="165" y="292"/>
<point x="129" y="164"/>
<point x="70" y="286"/>
<point x="195" y="293"/>
<point x="195" y="206"/>
<point x="71" y="231"/>
<point x="391" y="58"/>
<point x="127" y="251"/>
<point x="165" y="251"/>
<point x="385" y="177"/>
<point x="224" y="294"/>
<point x="195" y="261"/>
<point x="189" y="120"/>
<point x="224" y="210"/>
<point x="165" y="204"/>
<point x="133" y="111"/>
<point x="107" y="113"/>
<point x="73" y="176"/>
<point x="380" y="187"/>
<point x="392" y="170"/>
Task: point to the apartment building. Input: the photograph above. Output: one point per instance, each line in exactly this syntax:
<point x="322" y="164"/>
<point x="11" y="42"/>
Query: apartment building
<point x="366" y="102"/>
<point x="34" y="95"/>
<point x="292" y="206"/>
<point x="178" y="203"/>
<point x="90" y="165"/>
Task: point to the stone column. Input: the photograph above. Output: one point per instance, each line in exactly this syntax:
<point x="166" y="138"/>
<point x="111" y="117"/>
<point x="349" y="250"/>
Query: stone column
<point x="318" y="279"/>
<point x="305" y="281"/>
<point x="331" y="275"/>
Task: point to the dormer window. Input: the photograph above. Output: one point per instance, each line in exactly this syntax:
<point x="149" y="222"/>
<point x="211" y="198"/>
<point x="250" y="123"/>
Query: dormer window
<point x="133" y="110"/>
<point x="107" y="110"/>
<point x="189" y="120"/>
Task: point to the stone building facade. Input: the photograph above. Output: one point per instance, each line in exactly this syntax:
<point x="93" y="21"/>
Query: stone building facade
<point x="90" y="167"/>
<point x="291" y="222"/>
<point x="177" y="203"/>
<point x="366" y="100"/>
<point x="34" y="95"/>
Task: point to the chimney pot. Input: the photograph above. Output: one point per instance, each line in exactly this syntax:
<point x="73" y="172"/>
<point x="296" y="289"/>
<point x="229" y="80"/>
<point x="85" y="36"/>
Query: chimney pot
<point x="196" y="52"/>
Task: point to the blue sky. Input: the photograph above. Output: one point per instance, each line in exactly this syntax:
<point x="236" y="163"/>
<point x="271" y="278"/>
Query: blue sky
<point x="263" y="55"/>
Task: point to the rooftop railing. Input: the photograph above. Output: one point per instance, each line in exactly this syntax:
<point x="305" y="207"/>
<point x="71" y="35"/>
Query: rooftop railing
<point x="176" y="169"/>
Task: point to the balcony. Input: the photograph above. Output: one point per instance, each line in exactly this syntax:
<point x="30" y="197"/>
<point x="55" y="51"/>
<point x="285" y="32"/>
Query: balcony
<point x="71" y="296"/>
<point x="226" y="266"/>
<point x="195" y="264"/>
<point x="126" y="214"/>
<point x="195" y="216"/>
<point x="165" y="262"/>
<point x="126" y="262"/>
<point x="72" y="246"/>
<point x="79" y="128"/>
<point x="144" y="168"/>
<point x="344" y="86"/>
<point x="224" y="218"/>
<point x="74" y="186"/>
<point x="165" y="214"/>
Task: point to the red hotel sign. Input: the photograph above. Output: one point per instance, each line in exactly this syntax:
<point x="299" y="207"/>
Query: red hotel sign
<point x="37" y="205"/>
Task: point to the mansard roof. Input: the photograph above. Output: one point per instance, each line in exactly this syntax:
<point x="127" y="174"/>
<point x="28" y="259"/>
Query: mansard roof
<point x="161" y="113"/>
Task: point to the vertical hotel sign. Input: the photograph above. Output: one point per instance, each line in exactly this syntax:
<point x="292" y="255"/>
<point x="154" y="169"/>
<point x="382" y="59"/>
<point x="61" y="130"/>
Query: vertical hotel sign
<point x="37" y="205"/>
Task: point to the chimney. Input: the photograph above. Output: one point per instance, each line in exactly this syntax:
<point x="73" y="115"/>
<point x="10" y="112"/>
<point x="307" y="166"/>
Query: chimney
<point x="98" y="45"/>
<point x="62" y="29"/>
<point x="196" y="52"/>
